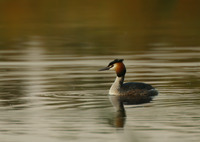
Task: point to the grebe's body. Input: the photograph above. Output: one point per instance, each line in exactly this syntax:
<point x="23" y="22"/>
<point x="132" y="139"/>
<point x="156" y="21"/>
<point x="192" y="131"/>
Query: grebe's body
<point x="132" y="92"/>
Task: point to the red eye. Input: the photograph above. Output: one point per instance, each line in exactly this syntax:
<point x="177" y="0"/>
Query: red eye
<point x="110" y="66"/>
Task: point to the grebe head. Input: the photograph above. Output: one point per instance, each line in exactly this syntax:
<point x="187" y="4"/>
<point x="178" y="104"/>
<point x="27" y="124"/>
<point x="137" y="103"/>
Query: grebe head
<point x="116" y="65"/>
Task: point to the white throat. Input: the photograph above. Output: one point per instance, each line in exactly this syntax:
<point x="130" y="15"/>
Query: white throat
<point x="116" y="86"/>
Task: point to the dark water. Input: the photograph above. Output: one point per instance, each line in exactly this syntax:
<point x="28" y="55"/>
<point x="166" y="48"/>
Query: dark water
<point x="51" y="91"/>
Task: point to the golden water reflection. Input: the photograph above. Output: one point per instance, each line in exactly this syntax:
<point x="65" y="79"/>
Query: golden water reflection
<point x="50" y="52"/>
<point x="133" y="25"/>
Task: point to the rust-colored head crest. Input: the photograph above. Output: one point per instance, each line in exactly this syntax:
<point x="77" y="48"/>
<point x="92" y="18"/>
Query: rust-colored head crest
<point x="116" y="65"/>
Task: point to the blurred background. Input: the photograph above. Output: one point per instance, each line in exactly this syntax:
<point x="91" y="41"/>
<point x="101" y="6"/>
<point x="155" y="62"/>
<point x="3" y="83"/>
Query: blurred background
<point x="50" y="51"/>
<point x="92" y="26"/>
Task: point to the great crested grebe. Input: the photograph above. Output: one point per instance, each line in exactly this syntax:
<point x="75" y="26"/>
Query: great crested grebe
<point x="131" y="92"/>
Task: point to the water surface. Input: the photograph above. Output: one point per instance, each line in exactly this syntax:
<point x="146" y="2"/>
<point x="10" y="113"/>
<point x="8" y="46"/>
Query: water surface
<point x="51" y="91"/>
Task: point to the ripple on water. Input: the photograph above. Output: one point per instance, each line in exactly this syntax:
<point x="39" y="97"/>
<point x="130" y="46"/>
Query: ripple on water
<point x="65" y="96"/>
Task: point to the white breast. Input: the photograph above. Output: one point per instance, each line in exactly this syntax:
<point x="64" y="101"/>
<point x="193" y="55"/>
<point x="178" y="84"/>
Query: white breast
<point x="115" y="88"/>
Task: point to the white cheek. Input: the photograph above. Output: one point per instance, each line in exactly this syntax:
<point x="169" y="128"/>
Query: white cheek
<point x="113" y="68"/>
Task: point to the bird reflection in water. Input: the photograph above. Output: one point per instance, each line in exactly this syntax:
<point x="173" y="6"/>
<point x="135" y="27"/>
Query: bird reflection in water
<point x="126" y="93"/>
<point x="120" y="116"/>
<point x="118" y="102"/>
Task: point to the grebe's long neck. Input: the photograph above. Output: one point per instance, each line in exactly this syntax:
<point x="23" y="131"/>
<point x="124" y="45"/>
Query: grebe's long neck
<point x="120" y="70"/>
<point x="115" y="88"/>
